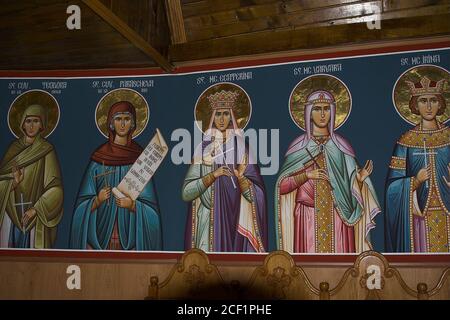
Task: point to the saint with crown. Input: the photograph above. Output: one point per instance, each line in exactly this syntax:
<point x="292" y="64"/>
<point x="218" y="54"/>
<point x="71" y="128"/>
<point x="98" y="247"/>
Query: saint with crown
<point x="417" y="197"/>
<point x="223" y="186"/>
<point x="324" y="201"/>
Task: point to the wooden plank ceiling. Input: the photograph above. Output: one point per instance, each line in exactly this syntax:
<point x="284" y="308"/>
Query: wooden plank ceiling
<point x="216" y="29"/>
<point x="150" y="33"/>
<point x="34" y="35"/>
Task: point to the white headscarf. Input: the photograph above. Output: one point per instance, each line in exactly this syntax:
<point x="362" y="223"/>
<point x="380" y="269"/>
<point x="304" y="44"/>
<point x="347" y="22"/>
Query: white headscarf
<point x="303" y="140"/>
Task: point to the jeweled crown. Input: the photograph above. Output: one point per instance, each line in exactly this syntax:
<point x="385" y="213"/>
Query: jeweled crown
<point x="320" y="97"/>
<point x="223" y="100"/>
<point x="426" y="86"/>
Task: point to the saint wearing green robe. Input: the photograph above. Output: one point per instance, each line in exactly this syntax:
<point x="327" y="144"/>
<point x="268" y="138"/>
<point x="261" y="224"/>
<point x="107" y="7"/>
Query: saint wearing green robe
<point x="31" y="192"/>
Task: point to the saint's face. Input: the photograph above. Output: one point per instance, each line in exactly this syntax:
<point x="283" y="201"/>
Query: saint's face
<point x="32" y="126"/>
<point x="122" y="124"/>
<point x="428" y="106"/>
<point x="222" y="119"/>
<point x="320" y="114"/>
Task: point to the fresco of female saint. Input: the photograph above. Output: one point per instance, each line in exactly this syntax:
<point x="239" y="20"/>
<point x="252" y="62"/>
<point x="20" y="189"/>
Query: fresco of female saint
<point x="31" y="191"/>
<point x="224" y="187"/>
<point x="417" y="197"/>
<point x="324" y="202"/>
<point x="101" y="221"/>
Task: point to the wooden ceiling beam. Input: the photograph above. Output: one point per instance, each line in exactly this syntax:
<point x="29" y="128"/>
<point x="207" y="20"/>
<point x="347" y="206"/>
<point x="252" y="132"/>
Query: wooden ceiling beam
<point x="176" y="21"/>
<point x="195" y="8"/>
<point x="248" y="13"/>
<point x="256" y="59"/>
<point x="276" y="41"/>
<point x="276" y="20"/>
<point x="126" y="31"/>
<point x="241" y="21"/>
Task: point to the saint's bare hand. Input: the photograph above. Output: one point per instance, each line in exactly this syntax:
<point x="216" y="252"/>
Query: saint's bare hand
<point x="424" y="174"/>
<point x="222" y="171"/>
<point x="125" y="202"/>
<point x="317" y="174"/>
<point x="104" y="194"/>
<point x="447" y="182"/>
<point x="28" y="216"/>
<point x="18" y="175"/>
<point x="241" y="167"/>
<point x="365" y="172"/>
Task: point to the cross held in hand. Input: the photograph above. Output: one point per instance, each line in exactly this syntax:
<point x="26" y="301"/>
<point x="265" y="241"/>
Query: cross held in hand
<point x="104" y="175"/>
<point x="425" y="154"/>
<point x="317" y="165"/>
<point x="22" y="206"/>
<point x="222" y="153"/>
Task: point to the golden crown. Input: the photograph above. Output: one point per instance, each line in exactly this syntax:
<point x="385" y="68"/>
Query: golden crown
<point x="426" y="87"/>
<point x="223" y="99"/>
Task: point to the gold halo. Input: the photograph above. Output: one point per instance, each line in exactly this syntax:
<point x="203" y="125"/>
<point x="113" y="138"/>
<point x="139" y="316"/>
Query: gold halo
<point x="242" y="111"/>
<point x="401" y="94"/>
<point x="326" y="82"/>
<point x="28" y="98"/>
<point x="122" y="94"/>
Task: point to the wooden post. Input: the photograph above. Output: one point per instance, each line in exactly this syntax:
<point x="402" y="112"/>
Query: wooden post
<point x="153" y="288"/>
<point x="422" y="291"/>
<point x="176" y="22"/>
<point x="324" y="291"/>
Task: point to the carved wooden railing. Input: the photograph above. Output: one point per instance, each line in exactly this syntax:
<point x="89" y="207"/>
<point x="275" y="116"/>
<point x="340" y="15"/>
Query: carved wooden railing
<point x="279" y="278"/>
<point x="371" y="277"/>
<point x="193" y="278"/>
<point x="356" y="283"/>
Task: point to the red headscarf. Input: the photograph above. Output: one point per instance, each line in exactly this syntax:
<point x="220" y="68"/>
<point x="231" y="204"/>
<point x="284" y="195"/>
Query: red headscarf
<point x="112" y="154"/>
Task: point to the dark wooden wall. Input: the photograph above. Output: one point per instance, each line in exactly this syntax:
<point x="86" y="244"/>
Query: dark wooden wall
<point x="35" y="36"/>
<point x="146" y="17"/>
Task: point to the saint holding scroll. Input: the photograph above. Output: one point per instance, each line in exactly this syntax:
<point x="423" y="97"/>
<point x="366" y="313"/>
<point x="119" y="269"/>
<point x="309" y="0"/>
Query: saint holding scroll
<point x="104" y="221"/>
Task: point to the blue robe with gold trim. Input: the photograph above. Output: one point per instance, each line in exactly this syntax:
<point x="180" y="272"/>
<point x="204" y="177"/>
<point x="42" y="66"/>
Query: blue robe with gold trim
<point x="407" y="160"/>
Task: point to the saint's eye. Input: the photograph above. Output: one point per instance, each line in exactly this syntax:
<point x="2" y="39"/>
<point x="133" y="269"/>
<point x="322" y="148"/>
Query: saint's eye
<point x="226" y="113"/>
